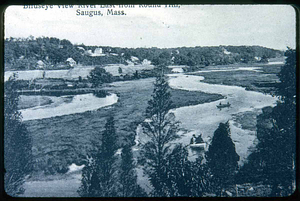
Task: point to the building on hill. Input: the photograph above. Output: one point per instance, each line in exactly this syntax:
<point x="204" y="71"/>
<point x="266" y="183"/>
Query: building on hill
<point x="226" y="52"/>
<point x="88" y="52"/>
<point x="98" y="52"/>
<point x="146" y="62"/>
<point x="40" y="64"/>
<point x="257" y="58"/>
<point x="81" y="48"/>
<point x="134" y="59"/>
<point x="71" y="62"/>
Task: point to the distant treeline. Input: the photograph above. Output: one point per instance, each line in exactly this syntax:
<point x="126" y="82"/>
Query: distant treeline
<point x="50" y="52"/>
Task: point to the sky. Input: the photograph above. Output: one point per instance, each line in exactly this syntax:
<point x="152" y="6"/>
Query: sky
<point x="272" y="26"/>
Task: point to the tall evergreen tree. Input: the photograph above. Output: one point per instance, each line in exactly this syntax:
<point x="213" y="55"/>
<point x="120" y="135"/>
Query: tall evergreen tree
<point x="178" y="177"/>
<point x="222" y="159"/>
<point x="128" y="177"/>
<point x="273" y="161"/>
<point x="99" y="179"/>
<point x="283" y="146"/>
<point x="161" y="128"/>
<point x="17" y="142"/>
<point x="184" y="178"/>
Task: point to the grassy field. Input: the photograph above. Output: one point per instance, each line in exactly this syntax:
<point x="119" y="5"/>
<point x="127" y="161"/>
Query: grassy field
<point x="114" y="69"/>
<point x="61" y="141"/>
<point x="32" y="101"/>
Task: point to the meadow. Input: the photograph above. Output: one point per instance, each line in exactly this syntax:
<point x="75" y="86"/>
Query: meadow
<point x="62" y="140"/>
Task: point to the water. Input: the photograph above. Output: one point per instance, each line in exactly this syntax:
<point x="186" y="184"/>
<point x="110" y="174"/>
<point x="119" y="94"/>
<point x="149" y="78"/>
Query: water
<point x="202" y="118"/>
<point x="217" y="69"/>
<point x="205" y="118"/>
<point x="275" y="62"/>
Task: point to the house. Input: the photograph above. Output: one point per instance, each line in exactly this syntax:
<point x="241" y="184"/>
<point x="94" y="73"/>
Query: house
<point x="226" y="52"/>
<point x="71" y="62"/>
<point x="88" y="52"/>
<point x="98" y="52"/>
<point x="146" y="62"/>
<point x="133" y="58"/>
<point x="257" y="58"/>
<point x="40" y="64"/>
<point x="81" y="48"/>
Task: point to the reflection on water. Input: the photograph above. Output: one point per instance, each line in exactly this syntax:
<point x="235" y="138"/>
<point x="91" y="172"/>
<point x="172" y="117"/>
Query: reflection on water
<point x="80" y="103"/>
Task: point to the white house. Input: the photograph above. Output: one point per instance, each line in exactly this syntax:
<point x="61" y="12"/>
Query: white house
<point x="40" y="64"/>
<point x="98" y="52"/>
<point x="257" y="58"/>
<point x="71" y="62"/>
<point x="133" y="58"/>
<point x="146" y="62"/>
<point x="226" y="52"/>
<point x="81" y="48"/>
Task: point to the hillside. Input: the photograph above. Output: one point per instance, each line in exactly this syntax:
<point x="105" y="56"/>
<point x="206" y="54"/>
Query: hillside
<point x="53" y="53"/>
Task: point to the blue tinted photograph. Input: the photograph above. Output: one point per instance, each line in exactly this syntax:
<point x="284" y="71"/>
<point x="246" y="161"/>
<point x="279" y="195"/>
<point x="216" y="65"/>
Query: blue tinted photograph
<point x="149" y="101"/>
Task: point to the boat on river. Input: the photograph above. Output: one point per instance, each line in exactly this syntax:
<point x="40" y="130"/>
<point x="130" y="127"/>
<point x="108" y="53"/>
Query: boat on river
<point x="197" y="143"/>
<point x="223" y="105"/>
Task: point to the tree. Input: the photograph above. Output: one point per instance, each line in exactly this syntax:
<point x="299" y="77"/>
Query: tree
<point x="120" y="70"/>
<point x="136" y="75"/>
<point x="161" y="129"/>
<point x="99" y="178"/>
<point x="185" y="178"/>
<point x="284" y="130"/>
<point x="98" y="76"/>
<point x="128" y="177"/>
<point x="179" y="175"/>
<point x="273" y="161"/>
<point x="17" y="142"/>
<point x="222" y="159"/>
<point x="287" y="76"/>
<point x="162" y="61"/>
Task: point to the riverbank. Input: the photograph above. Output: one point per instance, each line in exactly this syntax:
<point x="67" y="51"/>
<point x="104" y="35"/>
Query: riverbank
<point x="205" y="118"/>
<point x="59" y="141"/>
<point x="261" y="78"/>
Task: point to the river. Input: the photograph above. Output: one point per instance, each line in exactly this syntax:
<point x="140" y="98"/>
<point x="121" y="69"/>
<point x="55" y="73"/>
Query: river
<point x="202" y="118"/>
<point x="205" y="118"/>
